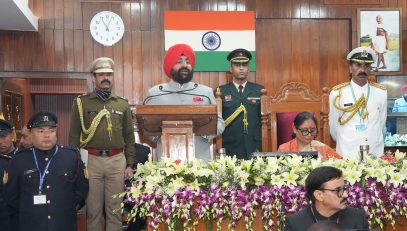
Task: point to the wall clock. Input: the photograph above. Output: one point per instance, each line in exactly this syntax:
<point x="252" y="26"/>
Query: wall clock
<point x="107" y="28"/>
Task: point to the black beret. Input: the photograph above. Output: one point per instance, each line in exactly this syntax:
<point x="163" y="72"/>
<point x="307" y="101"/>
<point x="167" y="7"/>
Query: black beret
<point x="6" y="127"/>
<point x="42" y="118"/>
<point x="239" y="56"/>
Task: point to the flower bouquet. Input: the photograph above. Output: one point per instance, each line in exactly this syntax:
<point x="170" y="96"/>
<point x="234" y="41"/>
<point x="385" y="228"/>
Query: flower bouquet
<point x="180" y="194"/>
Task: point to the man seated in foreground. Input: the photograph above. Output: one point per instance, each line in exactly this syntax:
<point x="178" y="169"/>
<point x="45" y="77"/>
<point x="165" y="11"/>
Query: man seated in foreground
<point x="325" y="187"/>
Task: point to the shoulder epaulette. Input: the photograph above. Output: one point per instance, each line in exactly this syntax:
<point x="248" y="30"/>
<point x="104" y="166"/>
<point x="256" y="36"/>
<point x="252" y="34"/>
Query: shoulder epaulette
<point x="378" y="85"/>
<point x="123" y="98"/>
<point x="69" y="148"/>
<point x="339" y="86"/>
<point x="5" y="157"/>
<point x="21" y="150"/>
<point x="84" y="94"/>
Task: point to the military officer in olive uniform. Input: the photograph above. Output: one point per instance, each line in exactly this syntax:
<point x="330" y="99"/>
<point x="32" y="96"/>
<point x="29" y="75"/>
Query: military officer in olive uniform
<point x="241" y="108"/>
<point x="47" y="183"/>
<point x="101" y="124"/>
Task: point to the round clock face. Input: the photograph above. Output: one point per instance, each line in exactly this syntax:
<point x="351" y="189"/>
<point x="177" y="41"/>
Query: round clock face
<point x="107" y="28"/>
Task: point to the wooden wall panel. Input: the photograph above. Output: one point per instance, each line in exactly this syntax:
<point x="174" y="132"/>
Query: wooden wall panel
<point x="60" y="105"/>
<point x="297" y="40"/>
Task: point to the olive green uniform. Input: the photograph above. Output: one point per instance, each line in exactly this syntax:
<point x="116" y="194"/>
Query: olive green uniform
<point x="122" y="130"/>
<point x="236" y="139"/>
<point x="106" y="173"/>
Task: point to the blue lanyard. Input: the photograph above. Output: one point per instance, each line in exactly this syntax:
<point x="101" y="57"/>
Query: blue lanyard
<point x="42" y="175"/>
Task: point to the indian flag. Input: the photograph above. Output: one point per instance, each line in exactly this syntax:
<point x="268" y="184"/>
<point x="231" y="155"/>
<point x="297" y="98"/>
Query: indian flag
<point x="212" y="35"/>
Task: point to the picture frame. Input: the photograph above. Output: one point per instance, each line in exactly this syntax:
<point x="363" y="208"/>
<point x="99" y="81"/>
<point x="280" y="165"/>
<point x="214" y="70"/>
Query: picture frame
<point x="380" y="29"/>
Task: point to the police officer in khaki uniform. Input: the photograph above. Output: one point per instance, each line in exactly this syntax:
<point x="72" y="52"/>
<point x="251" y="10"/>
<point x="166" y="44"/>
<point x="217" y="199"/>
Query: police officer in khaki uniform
<point x="241" y="108"/>
<point x="101" y="124"/>
<point x="47" y="183"/>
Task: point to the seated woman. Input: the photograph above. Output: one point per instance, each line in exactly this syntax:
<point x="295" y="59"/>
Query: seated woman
<point x="305" y="130"/>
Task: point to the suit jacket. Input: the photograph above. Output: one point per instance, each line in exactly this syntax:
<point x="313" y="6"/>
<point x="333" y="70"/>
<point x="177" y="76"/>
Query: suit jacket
<point x="235" y="140"/>
<point x="348" y="218"/>
<point x="190" y="94"/>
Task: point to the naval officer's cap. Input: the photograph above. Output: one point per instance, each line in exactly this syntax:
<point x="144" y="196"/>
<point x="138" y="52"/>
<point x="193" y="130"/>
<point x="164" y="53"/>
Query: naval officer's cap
<point x="362" y="55"/>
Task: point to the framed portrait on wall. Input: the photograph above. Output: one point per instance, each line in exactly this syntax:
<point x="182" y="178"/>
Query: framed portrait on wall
<point x="380" y="29"/>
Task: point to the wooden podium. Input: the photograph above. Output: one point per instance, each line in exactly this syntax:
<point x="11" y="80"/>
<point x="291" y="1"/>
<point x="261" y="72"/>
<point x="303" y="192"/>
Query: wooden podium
<point x="177" y="125"/>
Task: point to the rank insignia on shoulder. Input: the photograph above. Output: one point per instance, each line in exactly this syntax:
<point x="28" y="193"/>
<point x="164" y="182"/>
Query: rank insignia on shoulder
<point x="5" y="177"/>
<point x="228" y="98"/>
<point x="339" y="86"/>
<point x="378" y="85"/>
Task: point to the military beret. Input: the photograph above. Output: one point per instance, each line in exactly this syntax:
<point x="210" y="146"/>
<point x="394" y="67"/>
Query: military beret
<point x="102" y="65"/>
<point x="362" y="55"/>
<point x="42" y="118"/>
<point x="239" y="56"/>
<point x="6" y="127"/>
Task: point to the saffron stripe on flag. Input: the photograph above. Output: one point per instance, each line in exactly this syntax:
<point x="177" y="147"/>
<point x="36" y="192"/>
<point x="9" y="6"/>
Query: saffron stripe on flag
<point x="209" y="20"/>
<point x="216" y="61"/>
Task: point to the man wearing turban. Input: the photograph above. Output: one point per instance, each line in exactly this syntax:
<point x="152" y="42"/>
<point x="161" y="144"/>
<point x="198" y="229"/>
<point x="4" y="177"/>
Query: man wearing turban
<point x="178" y="66"/>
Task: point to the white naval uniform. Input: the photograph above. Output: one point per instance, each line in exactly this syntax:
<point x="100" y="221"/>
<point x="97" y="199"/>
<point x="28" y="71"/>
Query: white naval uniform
<point x="348" y="138"/>
<point x="191" y="96"/>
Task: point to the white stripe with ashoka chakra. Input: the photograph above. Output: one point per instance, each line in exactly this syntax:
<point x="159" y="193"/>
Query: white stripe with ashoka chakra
<point x="230" y="40"/>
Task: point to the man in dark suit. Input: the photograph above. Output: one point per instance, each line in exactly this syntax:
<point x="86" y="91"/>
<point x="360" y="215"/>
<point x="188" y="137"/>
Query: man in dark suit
<point x="241" y="108"/>
<point x="47" y="183"/>
<point x="326" y="188"/>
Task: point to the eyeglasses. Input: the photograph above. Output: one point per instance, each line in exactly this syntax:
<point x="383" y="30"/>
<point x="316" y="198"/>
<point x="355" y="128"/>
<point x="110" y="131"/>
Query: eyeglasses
<point x="306" y="131"/>
<point x="339" y="191"/>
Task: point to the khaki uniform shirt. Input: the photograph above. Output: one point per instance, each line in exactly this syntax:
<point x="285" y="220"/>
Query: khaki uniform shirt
<point x="122" y="131"/>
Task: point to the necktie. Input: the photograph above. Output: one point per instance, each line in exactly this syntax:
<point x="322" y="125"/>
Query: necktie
<point x="240" y="90"/>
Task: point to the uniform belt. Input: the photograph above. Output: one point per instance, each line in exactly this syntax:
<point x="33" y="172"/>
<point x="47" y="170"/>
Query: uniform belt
<point x="104" y="152"/>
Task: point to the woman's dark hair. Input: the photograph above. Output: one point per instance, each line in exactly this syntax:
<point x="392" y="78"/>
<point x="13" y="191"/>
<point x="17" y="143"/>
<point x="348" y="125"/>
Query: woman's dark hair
<point x="318" y="177"/>
<point x="300" y="118"/>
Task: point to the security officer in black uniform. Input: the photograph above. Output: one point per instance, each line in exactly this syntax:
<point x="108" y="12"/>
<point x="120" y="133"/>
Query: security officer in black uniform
<point x="241" y="108"/>
<point x="47" y="183"/>
<point x="6" y="151"/>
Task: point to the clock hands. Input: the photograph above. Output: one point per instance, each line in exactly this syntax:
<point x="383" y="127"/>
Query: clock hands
<point x="107" y="28"/>
<point x="108" y="24"/>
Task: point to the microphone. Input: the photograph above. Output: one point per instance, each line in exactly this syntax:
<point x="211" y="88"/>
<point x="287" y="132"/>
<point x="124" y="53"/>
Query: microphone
<point x="182" y="92"/>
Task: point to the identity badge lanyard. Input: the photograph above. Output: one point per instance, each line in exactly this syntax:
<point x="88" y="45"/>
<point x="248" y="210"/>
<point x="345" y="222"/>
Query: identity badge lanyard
<point x="361" y="127"/>
<point x="42" y="199"/>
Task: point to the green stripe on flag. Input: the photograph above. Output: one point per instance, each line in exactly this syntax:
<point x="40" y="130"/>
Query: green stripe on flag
<point x="216" y="61"/>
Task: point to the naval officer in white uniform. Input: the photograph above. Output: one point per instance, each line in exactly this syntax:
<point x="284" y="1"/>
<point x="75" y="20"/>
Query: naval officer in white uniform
<point x="357" y="109"/>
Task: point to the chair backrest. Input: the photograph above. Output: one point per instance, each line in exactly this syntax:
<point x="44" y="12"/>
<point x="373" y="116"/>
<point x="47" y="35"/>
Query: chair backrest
<point x="284" y="105"/>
